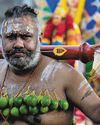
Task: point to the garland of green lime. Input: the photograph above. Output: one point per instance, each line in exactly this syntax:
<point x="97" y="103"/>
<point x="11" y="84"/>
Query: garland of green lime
<point x="19" y="106"/>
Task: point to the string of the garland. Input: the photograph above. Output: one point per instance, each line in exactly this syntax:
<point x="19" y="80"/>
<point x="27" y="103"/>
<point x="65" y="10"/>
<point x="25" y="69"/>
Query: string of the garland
<point x="14" y="106"/>
<point x="18" y="93"/>
<point x="29" y="104"/>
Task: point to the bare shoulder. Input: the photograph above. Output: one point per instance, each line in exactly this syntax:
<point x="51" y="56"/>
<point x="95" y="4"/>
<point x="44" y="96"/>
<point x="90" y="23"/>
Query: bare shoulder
<point x="62" y="73"/>
<point x="3" y="61"/>
<point x="57" y="69"/>
<point x="3" y="64"/>
<point x="60" y="64"/>
<point x="3" y="68"/>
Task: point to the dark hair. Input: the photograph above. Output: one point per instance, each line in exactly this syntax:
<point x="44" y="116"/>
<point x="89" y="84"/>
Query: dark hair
<point x="18" y="11"/>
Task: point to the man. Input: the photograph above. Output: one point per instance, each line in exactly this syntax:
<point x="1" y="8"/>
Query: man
<point x="24" y="66"/>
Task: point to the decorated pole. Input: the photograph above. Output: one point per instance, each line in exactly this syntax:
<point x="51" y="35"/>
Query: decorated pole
<point x="84" y="52"/>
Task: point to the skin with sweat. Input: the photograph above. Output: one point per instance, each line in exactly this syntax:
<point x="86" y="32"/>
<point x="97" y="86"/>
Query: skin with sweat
<point x="46" y="74"/>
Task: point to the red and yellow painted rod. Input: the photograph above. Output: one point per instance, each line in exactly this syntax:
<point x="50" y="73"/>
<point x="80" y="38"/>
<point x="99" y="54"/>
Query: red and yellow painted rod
<point x="83" y="52"/>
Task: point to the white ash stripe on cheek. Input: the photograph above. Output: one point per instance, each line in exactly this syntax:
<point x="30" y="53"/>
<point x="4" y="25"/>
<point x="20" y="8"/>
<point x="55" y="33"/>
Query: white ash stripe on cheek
<point x="50" y="71"/>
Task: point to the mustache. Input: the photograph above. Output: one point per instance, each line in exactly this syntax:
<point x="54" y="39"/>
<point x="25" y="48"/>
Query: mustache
<point x="24" y="51"/>
<point x="18" y="50"/>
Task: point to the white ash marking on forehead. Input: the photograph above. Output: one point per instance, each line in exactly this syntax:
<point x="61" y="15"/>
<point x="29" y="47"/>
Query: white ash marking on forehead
<point x="16" y="27"/>
<point x="20" y="23"/>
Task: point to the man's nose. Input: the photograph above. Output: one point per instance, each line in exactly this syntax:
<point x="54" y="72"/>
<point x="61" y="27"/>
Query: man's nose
<point x="19" y="43"/>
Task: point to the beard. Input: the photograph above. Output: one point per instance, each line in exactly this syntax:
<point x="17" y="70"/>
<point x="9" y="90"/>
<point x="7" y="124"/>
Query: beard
<point x="28" y="61"/>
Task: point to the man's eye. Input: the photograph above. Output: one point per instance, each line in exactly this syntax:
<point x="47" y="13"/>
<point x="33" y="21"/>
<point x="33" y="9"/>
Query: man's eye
<point x="11" y="37"/>
<point x="25" y="37"/>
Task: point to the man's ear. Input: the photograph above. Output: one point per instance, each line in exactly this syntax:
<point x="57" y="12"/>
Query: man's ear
<point x="1" y="55"/>
<point x="40" y="37"/>
<point x="0" y="38"/>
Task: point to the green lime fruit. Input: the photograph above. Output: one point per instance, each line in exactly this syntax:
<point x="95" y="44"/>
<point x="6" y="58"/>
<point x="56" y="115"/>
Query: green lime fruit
<point x="54" y="105"/>
<point x="6" y="112"/>
<point x="64" y="105"/>
<point x="39" y="98"/>
<point x="45" y="101"/>
<point x="11" y="101"/>
<point x="15" y="112"/>
<point x="44" y="109"/>
<point x="33" y="110"/>
<point x="34" y="101"/>
<point x="28" y="99"/>
<point x="3" y="102"/>
<point x="18" y="101"/>
<point x="23" y="110"/>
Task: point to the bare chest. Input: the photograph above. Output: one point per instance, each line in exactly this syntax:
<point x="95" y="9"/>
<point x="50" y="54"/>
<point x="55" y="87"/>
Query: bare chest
<point x="34" y="86"/>
<point x="39" y="87"/>
<point x="45" y="84"/>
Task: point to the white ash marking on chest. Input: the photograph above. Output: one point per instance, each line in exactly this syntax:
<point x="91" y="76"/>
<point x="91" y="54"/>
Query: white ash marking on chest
<point x="13" y="89"/>
<point x="50" y="71"/>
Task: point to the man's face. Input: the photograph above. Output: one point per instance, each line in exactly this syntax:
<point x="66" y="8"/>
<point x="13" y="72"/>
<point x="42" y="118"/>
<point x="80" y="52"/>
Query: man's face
<point x="73" y="3"/>
<point x="56" y="19"/>
<point x="20" y="42"/>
